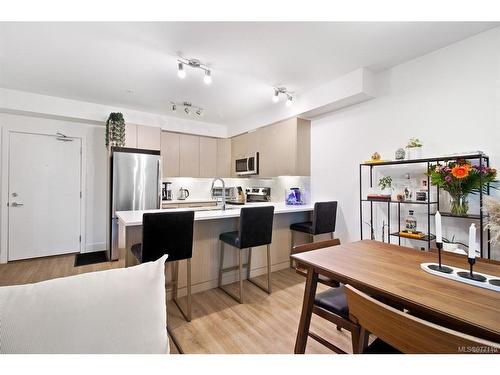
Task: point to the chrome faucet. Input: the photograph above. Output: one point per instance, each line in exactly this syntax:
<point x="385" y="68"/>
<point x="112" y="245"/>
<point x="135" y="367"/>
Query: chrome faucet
<point x="223" y="191"/>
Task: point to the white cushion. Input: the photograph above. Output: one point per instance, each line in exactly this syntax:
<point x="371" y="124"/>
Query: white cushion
<point x="115" y="311"/>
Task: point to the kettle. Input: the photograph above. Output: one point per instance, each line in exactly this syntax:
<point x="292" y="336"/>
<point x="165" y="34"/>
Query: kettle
<point x="183" y="194"/>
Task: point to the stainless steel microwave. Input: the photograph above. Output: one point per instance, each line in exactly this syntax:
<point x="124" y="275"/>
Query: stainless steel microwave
<point x="248" y="165"/>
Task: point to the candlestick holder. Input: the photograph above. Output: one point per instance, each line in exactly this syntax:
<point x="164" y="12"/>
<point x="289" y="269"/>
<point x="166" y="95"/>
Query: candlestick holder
<point x="439" y="267"/>
<point x="471" y="275"/>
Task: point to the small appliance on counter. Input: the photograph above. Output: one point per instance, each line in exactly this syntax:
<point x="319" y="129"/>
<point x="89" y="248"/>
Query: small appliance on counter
<point x="166" y="191"/>
<point x="294" y="197"/>
<point x="231" y="193"/>
<point x="183" y="194"/>
<point x="258" y="194"/>
<point x="238" y="198"/>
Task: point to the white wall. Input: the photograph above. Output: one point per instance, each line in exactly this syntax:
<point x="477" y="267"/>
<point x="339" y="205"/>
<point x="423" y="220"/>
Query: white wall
<point x="96" y="191"/>
<point x="450" y="99"/>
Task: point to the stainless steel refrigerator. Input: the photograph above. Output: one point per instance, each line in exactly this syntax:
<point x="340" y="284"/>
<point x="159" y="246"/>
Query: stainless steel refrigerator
<point x="135" y="184"/>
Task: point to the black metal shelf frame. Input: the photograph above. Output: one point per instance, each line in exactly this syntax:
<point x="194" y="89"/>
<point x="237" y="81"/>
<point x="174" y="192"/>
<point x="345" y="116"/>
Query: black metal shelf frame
<point x="483" y="160"/>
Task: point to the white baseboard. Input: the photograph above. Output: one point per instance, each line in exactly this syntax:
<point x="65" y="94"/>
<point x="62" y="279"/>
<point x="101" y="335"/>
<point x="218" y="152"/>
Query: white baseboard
<point x="227" y="278"/>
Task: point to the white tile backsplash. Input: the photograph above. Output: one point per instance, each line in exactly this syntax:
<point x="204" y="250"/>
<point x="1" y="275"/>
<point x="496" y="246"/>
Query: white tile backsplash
<point x="199" y="188"/>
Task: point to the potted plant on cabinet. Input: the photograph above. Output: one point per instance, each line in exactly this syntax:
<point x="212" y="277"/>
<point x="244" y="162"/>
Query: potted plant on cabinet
<point x="414" y="149"/>
<point x="459" y="178"/>
<point x="115" y="130"/>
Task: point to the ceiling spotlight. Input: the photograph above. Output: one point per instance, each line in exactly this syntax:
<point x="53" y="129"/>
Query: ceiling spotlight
<point x="195" y="64"/>
<point x="283" y="91"/>
<point x="180" y="70"/>
<point x="188" y="107"/>
<point x="208" y="77"/>
<point x="276" y="96"/>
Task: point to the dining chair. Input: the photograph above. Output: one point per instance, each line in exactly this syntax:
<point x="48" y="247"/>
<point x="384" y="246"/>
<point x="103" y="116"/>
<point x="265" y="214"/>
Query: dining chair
<point x="331" y="304"/>
<point x="399" y="332"/>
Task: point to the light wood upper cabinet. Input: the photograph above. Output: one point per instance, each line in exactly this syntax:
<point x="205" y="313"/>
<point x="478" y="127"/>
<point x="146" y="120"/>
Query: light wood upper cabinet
<point x="284" y="148"/>
<point x="189" y="162"/>
<point x="208" y="157"/>
<point x="224" y="157"/>
<point x="148" y="137"/>
<point x="170" y="153"/>
<point x="130" y="135"/>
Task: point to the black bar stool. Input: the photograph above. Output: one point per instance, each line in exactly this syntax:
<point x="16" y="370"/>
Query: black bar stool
<point x="255" y="229"/>
<point x="324" y="219"/>
<point x="168" y="233"/>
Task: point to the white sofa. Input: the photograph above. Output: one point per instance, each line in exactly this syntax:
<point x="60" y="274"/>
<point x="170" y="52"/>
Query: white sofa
<point x="115" y="311"/>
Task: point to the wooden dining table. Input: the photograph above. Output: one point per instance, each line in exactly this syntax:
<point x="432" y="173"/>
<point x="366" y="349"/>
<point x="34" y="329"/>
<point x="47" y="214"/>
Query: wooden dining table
<point x="392" y="274"/>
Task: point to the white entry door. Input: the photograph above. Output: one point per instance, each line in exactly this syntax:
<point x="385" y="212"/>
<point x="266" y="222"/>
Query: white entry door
<point x="44" y="195"/>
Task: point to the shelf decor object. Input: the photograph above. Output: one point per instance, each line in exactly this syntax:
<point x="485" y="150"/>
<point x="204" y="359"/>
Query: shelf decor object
<point x="479" y="166"/>
<point x="490" y="282"/>
<point x="460" y="178"/>
<point x="414" y="149"/>
<point x="439" y="244"/>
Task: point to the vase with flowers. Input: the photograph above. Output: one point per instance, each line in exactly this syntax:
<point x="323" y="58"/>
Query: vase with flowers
<point x="460" y="178"/>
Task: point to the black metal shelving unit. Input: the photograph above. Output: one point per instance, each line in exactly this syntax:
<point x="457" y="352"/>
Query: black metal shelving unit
<point x="429" y="237"/>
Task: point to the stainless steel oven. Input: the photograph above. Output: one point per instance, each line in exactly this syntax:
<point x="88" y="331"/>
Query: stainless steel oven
<point x="248" y="165"/>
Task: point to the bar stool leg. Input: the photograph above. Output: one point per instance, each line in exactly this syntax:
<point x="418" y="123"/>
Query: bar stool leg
<point x="269" y="269"/>
<point x="175" y="279"/>
<point x="221" y="263"/>
<point x="186" y="315"/>
<point x="240" y="271"/>
<point x="291" y="248"/>
<point x="189" y="290"/>
<point x="331" y="235"/>
<point x="249" y="263"/>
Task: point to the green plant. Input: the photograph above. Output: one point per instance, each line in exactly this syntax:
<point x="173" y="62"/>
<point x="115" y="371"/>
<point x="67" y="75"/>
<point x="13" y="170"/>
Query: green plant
<point x="115" y="130"/>
<point x="414" y="142"/>
<point x="385" y="183"/>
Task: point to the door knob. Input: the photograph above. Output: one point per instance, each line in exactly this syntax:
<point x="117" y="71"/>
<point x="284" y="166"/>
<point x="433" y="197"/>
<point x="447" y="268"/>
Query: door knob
<point x="15" y="204"/>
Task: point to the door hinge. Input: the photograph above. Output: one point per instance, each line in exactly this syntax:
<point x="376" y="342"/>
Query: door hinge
<point x="80" y="238"/>
<point x="80" y="195"/>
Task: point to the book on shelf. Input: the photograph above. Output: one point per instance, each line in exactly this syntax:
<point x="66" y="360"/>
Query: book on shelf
<point x="418" y="235"/>
<point x="378" y="197"/>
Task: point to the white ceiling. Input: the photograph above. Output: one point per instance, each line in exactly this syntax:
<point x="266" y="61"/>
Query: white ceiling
<point x="101" y="62"/>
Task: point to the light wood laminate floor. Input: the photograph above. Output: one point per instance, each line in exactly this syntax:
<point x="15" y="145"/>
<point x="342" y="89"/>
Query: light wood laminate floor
<point x="263" y="324"/>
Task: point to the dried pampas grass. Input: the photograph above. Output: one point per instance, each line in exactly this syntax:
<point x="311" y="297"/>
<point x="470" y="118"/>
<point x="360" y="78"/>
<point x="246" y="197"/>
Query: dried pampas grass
<point x="492" y="207"/>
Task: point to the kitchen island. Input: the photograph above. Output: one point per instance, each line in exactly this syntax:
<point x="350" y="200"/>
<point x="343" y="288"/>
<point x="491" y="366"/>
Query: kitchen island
<point x="209" y="223"/>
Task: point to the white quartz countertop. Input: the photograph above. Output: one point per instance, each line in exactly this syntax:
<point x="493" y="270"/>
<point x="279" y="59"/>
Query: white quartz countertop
<point x="189" y="200"/>
<point x="131" y="218"/>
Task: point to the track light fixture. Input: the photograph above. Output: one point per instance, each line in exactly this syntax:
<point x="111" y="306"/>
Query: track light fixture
<point x="188" y="108"/>
<point x="282" y="91"/>
<point x="193" y="63"/>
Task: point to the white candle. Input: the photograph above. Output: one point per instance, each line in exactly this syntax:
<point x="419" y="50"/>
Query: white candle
<point x="472" y="241"/>
<point x="439" y="231"/>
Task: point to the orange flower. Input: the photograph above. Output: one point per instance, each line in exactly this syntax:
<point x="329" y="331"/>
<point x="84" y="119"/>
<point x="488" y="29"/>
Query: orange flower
<point x="460" y="171"/>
